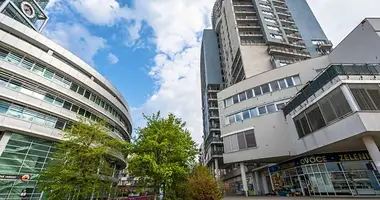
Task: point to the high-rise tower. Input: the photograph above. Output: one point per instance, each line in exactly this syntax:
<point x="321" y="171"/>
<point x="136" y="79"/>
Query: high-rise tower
<point x="259" y="35"/>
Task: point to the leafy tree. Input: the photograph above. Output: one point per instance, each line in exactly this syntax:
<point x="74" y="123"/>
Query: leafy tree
<point x="163" y="152"/>
<point x="82" y="166"/>
<point x="201" y="185"/>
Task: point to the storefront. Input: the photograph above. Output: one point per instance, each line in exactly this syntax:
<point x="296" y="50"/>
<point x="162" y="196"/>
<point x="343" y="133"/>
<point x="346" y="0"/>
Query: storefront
<point x="348" y="173"/>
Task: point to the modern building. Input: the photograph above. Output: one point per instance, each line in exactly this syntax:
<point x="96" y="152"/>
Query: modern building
<point x="43" y="88"/>
<point x="311" y="126"/>
<point x="211" y="83"/>
<point x="250" y="37"/>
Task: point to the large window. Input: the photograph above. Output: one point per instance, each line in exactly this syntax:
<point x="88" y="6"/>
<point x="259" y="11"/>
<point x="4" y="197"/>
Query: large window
<point x="322" y="113"/>
<point x="367" y="96"/>
<point x="240" y="141"/>
<point x="264" y="89"/>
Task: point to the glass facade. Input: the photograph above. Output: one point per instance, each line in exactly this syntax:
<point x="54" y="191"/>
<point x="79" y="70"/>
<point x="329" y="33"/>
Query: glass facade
<point x="23" y="155"/>
<point x="350" y="173"/>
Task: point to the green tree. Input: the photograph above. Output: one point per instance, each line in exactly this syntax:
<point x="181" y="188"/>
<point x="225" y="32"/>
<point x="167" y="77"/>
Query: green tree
<point x="163" y="152"/>
<point x="82" y="166"/>
<point x="201" y="185"/>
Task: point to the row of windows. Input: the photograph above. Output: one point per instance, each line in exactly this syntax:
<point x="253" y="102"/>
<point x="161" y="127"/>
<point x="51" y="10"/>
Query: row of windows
<point x="36" y="117"/>
<point x="264" y="89"/>
<point x="39" y="69"/>
<point x="254" y="112"/>
<point x="239" y="141"/>
<point x="326" y="111"/>
<point x="48" y="97"/>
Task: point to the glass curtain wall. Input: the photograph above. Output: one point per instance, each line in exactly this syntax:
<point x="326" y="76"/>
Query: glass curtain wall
<point x="23" y="155"/>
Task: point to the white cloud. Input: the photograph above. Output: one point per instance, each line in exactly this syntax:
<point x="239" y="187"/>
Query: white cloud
<point x="76" y="38"/>
<point x="133" y="33"/>
<point x="112" y="58"/>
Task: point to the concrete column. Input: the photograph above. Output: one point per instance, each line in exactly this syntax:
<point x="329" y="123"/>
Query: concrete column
<point x="373" y="150"/>
<point x="244" y="178"/>
<point x="265" y="183"/>
<point x="216" y="164"/>
<point x="350" y="99"/>
<point x="257" y="183"/>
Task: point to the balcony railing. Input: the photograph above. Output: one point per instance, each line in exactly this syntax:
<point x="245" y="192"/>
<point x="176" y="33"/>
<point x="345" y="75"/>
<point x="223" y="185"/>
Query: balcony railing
<point x="296" y="36"/>
<point x="290" y="21"/>
<point x="288" y="51"/>
<point x="284" y="13"/>
<point x="292" y="28"/>
<point x="329" y="74"/>
<point x="248" y="26"/>
<point x="242" y="4"/>
<point x="247" y="18"/>
<point x="211" y="140"/>
<point x="244" y="11"/>
<point x="249" y="33"/>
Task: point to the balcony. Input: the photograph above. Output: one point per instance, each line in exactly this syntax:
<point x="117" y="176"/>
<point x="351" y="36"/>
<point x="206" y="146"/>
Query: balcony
<point x="298" y="45"/>
<point x="290" y="28"/>
<point x="213" y="116"/>
<point x="245" y="11"/>
<point x="212" y="97"/>
<point x="327" y="44"/>
<point x="284" y="13"/>
<point x="288" y="52"/>
<point x="248" y="26"/>
<point x="294" y="36"/>
<point x="213" y="140"/>
<point x="250" y="34"/>
<point x="328" y="75"/>
<point x="246" y="18"/>
<point x="287" y="20"/>
<point x="213" y="106"/>
<point x="279" y="1"/>
<point x="245" y="4"/>
<point x="247" y="42"/>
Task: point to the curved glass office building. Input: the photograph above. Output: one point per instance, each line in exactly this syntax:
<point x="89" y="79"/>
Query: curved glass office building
<point x="43" y="89"/>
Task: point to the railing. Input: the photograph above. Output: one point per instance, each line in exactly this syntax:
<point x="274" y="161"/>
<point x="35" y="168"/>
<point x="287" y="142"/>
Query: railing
<point x="290" y="27"/>
<point x="247" y="18"/>
<point x="271" y="49"/>
<point x="246" y="33"/>
<point x="294" y="35"/>
<point x="330" y="73"/>
<point x="242" y="4"/>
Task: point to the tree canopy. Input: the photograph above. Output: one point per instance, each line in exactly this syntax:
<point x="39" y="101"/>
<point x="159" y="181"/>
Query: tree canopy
<point x="163" y="153"/>
<point x="82" y="167"/>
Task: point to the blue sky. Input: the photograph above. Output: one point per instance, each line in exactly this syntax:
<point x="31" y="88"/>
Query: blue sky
<point x="149" y="49"/>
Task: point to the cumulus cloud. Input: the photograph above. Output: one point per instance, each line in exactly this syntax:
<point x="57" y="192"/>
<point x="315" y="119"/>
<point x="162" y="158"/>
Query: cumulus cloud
<point x="77" y="38"/>
<point x="112" y="58"/>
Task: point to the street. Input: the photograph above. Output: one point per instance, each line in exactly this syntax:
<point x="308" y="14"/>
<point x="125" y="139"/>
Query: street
<point x="295" y="198"/>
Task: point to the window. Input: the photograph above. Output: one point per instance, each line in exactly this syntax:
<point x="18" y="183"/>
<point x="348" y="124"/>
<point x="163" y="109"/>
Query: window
<point x="363" y="99"/>
<point x="4" y="107"/>
<point x="242" y="96"/>
<point x="88" y="114"/>
<point x="27" y="64"/>
<point x="93" y="97"/>
<point x="314" y="115"/>
<point x="37" y="69"/>
<point x="231" y="119"/>
<point x="274" y="86"/>
<point x="58" y="79"/>
<point x="253" y="112"/>
<point x="265" y="88"/>
<point x="271" y="108"/>
<point x="74" y="108"/>
<point x="282" y="84"/>
<point x="81" y="111"/>
<point x="39" y="94"/>
<point x="67" y="105"/>
<point x="297" y="80"/>
<point x="246" y="115"/>
<point x="289" y="81"/>
<point x="58" y="102"/>
<point x="15" y="111"/>
<point x="238" y="117"/>
<point x="50" y="121"/>
<point x="80" y="90"/>
<point x="280" y="106"/>
<point x="13" y="58"/>
<point x="257" y="91"/>
<point x="48" y="74"/>
<point x="262" y="110"/>
<point x="228" y="102"/>
<point x="3" y="80"/>
<point x="249" y="94"/>
<point x="3" y="54"/>
<point x="235" y="99"/>
<point x="87" y="94"/>
<point x="375" y="96"/>
<point x="14" y="85"/>
<point x="49" y="98"/>
<point x="60" y="124"/>
<point x="250" y="138"/>
<point x="74" y="87"/>
<point x="241" y="141"/>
